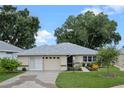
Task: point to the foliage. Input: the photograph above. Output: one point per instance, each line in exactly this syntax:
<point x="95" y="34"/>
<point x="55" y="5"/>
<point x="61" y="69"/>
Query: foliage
<point x="88" y="30"/>
<point x="17" y="27"/>
<point x="95" y="66"/>
<point x="108" y="56"/>
<point x="7" y="64"/>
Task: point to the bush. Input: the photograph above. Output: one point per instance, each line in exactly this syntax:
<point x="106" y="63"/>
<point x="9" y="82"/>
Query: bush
<point x="93" y="66"/>
<point x="9" y="64"/>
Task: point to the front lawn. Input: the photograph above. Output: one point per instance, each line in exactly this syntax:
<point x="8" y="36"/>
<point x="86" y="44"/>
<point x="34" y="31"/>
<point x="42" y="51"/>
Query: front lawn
<point x="7" y="75"/>
<point x="94" y="79"/>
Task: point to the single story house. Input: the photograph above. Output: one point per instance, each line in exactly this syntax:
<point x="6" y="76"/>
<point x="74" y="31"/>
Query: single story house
<point x="8" y="50"/>
<point x="56" y="57"/>
<point x="121" y="58"/>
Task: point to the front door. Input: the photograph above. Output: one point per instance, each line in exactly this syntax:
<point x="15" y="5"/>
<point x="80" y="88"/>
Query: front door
<point x="69" y="62"/>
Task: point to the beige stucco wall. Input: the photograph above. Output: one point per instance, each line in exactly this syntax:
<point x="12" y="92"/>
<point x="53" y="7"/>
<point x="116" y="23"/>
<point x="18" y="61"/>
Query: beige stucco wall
<point x="60" y="63"/>
<point x="24" y="60"/>
<point x="78" y="59"/>
<point x="121" y="60"/>
<point x="63" y="62"/>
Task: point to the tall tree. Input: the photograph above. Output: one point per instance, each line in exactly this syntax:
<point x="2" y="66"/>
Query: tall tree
<point x="88" y="30"/>
<point x="17" y="27"/>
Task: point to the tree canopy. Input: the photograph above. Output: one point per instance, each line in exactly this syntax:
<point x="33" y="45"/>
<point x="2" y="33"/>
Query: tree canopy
<point x="88" y="30"/>
<point x="17" y="27"/>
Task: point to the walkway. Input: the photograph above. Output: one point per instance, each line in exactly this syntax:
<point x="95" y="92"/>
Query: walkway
<point x="84" y="69"/>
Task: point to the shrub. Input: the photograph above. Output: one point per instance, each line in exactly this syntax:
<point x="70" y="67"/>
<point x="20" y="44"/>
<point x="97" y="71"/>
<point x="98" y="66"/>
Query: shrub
<point x="95" y="66"/>
<point x="9" y="64"/>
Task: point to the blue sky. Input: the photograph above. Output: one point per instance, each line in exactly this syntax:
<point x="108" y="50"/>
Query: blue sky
<point x="52" y="17"/>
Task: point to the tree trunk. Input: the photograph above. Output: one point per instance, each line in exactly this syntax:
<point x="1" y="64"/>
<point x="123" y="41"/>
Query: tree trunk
<point x="108" y="70"/>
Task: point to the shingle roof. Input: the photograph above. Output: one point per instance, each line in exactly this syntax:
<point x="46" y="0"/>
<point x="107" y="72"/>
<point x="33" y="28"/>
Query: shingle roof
<point x="121" y="50"/>
<point x="59" y="49"/>
<point x="8" y="47"/>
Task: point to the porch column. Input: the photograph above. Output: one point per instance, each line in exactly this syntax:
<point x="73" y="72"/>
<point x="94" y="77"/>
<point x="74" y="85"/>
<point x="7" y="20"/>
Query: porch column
<point x="87" y="58"/>
<point x="92" y="59"/>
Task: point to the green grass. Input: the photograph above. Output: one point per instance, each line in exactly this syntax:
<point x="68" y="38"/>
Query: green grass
<point x="90" y="79"/>
<point x="7" y="75"/>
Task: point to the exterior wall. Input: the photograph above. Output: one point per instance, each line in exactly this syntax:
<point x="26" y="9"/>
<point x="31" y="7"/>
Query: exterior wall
<point x="121" y="60"/>
<point x="60" y="63"/>
<point x="63" y="62"/>
<point x="24" y="60"/>
<point x="78" y="59"/>
<point x="5" y="55"/>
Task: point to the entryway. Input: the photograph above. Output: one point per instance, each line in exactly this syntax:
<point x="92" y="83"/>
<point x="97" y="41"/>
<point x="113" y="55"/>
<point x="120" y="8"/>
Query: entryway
<point x="69" y="62"/>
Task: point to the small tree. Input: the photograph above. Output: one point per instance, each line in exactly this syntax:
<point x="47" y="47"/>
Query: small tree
<point x="108" y="55"/>
<point x="9" y="64"/>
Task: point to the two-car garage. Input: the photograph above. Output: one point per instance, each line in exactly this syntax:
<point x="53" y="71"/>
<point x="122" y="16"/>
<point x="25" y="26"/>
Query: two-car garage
<point x="42" y="63"/>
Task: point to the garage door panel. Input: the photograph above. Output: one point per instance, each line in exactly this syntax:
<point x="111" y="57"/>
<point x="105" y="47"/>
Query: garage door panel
<point x="52" y="64"/>
<point x="35" y="63"/>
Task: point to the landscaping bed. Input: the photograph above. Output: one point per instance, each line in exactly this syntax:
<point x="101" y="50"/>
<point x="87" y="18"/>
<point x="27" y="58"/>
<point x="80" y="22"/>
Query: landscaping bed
<point x="93" y="79"/>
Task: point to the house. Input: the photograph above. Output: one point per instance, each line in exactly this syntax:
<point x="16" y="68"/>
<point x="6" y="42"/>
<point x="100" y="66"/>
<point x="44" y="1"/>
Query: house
<point x="56" y="57"/>
<point x="8" y="50"/>
<point x="121" y="58"/>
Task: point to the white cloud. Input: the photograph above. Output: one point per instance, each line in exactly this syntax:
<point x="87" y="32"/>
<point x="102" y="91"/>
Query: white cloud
<point x="43" y="37"/>
<point x="110" y="9"/>
<point x="96" y="10"/>
<point x="117" y="8"/>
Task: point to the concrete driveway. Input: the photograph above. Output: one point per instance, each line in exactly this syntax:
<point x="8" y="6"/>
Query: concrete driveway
<point x="32" y="79"/>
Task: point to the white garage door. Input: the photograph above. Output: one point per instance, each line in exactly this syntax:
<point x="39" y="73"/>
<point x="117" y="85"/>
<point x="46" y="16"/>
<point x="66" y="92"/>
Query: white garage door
<point x="52" y="63"/>
<point x="35" y="63"/>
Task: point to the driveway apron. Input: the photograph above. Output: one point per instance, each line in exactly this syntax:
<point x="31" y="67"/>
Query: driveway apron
<point x="32" y="79"/>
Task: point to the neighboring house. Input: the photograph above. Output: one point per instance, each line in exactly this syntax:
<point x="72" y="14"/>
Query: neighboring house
<point x="8" y="50"/>
<point x="56" y="57"/>
<point x="121" y="58"/>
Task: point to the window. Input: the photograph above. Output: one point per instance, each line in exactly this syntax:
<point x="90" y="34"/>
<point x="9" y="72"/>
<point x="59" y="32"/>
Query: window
<point x="42" y="57"/>
<point x="54" y="57"/>
<point x="85" y="58"/>
<point x="46" y="57"/>
<point x="57" y="57"/>
<point x="50" y="57"/>
<point x="94" y="58"/>
<point x="89" y="58"/>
